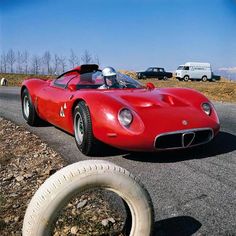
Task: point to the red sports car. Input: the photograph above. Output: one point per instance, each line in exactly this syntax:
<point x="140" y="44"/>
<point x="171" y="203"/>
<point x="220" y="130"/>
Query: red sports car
<point x="128" y="116"/>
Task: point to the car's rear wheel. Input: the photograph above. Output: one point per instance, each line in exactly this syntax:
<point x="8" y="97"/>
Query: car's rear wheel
<point x="186" y="78"/>
<point x="165" y="78"/>
<point x="204" y="78"/>
<point x="28" y="109"/>
<point x="83" y="132"/>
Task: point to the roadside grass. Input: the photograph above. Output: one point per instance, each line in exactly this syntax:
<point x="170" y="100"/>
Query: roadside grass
<point x="223" y="90"/>
<point x="17" y="79"/>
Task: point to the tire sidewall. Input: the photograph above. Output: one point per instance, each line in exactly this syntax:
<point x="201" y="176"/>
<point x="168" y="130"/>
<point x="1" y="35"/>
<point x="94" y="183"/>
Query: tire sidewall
<point x="86" y="144"/>
<point x="32" y="113"/>
<point x="55" y="193"/>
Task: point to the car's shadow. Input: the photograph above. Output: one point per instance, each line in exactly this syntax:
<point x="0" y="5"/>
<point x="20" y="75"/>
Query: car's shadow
<point x="42" y="123"/>
<point x="223" y="143"/>
<point x="176" y="226"/>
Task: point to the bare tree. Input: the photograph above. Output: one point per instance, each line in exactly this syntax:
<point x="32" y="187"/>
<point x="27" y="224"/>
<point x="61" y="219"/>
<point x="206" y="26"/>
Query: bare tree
<point x="4" y="63"/>
<point x="86" y="58"/>
<point x="73" y="60"/>
<point x="47" y="61"/>
<point x="62" y="62"/>
<point x="36" y="63"/>
<point x="11" y="59"/>
<point x="97" y="60"/>
<point x="56" y="62"/>
<point x="25" y="61"/>
<point x="19" y="61"/>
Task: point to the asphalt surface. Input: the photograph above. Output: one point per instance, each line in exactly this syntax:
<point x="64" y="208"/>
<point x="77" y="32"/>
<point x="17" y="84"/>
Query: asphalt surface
<point x="193" y="191"/>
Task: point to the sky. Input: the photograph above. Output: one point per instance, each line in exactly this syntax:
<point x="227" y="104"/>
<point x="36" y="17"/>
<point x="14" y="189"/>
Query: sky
<point x="125" y="34"/>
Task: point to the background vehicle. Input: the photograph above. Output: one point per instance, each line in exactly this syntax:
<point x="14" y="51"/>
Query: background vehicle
<point x="155" y="72"/>
<point x="194" y="71"/>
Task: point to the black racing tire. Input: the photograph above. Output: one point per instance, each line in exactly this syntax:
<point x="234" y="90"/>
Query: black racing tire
<point x="165" y="78"/>
<point x="76" y="178"/>
<point x="204" y="78"/>
<point x="28" y="109"/>
<point x="84" y="138"/>
<point x="186" y="78"/>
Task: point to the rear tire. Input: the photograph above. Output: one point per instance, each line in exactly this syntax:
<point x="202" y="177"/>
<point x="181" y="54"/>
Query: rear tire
<point x="139" y="76"/>
<point x="74" y="179"/>
<point x="84" y="138"/>
<point x="165" y="78"/>
<point x="204" y="78"/>
<point x="28" y="109"/>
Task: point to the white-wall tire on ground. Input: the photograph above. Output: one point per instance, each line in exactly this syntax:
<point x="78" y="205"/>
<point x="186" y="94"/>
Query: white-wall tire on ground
<point x="57" y="190"/>
<point x="4" y="82"/>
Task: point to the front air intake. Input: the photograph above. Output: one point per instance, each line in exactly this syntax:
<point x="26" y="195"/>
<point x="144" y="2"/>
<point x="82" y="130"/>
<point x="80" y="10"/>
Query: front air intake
<point x="183" y="139"/>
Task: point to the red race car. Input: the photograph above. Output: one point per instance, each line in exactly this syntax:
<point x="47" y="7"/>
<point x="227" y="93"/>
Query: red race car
<point x="120" y="112"/>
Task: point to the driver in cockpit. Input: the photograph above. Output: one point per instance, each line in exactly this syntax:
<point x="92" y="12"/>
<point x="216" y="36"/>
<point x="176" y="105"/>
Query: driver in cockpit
<point x="110" y="80"/>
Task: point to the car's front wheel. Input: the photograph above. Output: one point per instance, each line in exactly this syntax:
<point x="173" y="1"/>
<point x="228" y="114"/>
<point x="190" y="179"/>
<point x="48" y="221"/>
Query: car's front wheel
<point x="28" y="109"/>
<point x="83" y="132"/>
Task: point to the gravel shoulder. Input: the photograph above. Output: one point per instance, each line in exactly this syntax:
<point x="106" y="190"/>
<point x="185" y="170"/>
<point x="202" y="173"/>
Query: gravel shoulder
<point x="25" y="163"/>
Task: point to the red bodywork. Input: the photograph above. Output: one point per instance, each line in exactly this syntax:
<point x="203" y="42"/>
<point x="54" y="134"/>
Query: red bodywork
<point x="155" y="111"/>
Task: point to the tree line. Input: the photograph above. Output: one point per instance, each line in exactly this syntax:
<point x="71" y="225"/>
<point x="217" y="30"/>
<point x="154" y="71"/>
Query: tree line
<point x="48" y="63"/>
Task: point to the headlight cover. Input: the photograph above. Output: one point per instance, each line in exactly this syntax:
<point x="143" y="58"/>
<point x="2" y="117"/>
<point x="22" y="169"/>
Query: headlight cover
<point x="206" y="107"/>
<point x="125" y="117"/>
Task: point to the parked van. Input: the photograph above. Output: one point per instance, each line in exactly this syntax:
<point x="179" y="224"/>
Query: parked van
<point x="194" y="71"/>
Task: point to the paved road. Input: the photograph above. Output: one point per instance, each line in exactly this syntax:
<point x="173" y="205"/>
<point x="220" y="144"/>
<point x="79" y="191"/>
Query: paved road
<point x="193" y="192"/>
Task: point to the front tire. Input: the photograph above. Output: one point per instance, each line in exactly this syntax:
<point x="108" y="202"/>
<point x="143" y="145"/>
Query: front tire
<point x="84" y="138"/>
<point x="76" y="178"/>
<point x="186" y="78"/>
<point x="28" y="109"/>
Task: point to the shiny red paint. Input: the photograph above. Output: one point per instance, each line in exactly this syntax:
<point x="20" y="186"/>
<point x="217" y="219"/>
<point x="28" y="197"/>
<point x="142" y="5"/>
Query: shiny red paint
<point x="155" y="111"/>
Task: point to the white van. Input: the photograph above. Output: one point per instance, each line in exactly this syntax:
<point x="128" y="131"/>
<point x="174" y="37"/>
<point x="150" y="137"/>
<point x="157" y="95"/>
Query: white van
<point x="194" y="71"/>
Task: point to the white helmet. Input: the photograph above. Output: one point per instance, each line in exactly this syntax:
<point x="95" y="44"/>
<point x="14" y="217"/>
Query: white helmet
<point x="108" y="71"/>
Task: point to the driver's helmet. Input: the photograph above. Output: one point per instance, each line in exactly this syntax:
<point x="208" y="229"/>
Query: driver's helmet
<point x="109" y="75"/>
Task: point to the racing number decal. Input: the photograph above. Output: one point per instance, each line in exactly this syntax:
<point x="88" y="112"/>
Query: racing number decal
<point x="62" y="113"/>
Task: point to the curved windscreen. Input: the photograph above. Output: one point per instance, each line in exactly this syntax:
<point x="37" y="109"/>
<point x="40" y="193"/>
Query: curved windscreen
<point x="95" y="80"/>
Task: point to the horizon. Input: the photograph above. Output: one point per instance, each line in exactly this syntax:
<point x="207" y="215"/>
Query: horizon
<point x="130" y="35"/>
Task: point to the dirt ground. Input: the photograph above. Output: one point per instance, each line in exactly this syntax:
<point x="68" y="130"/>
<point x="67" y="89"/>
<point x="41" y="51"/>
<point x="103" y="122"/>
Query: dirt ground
<point x="25" y="163"/>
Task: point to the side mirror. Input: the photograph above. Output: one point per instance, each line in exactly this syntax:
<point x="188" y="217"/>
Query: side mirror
<point x="72" y="87"/>
<point x="150" y="86"/>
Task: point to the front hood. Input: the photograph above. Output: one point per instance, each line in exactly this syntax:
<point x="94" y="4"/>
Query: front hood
<point x="143" y="98"/>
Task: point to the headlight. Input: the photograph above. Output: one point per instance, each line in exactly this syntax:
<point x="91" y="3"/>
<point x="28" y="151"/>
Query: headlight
<point x="206" y="107"/>
<point x="125" y="117"/>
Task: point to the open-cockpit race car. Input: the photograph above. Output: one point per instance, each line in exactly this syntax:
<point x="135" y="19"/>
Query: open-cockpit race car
<point x="120" y="112"/>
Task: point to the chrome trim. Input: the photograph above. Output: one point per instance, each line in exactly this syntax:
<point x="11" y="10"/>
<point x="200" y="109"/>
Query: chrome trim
<point x="183" y="140"/>
<point x="182" y="132"/>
